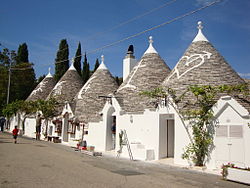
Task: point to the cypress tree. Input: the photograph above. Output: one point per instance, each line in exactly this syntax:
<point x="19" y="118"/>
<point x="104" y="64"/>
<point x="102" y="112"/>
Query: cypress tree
<point x="96" y="64"/>
<point x="77" y="60"/>
<point x="62" y="60"/>
<point x="22" y="75"/>
<point x="22" y="54"/>
<point x="118" y="80"/>
<point x="85" y="69"/>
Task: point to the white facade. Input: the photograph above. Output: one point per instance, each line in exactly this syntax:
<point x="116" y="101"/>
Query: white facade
<point x="232" y="134"/>
<point x="128" y="64"/>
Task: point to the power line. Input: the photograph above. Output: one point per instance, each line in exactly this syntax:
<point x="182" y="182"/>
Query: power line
<point x="131" y="20"/>
<point x="150" y="29"/>
<point x="155" y="27"/>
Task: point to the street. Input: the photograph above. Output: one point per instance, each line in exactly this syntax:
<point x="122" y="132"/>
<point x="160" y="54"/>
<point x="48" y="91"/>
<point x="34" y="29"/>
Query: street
<point x="35" y="164"/>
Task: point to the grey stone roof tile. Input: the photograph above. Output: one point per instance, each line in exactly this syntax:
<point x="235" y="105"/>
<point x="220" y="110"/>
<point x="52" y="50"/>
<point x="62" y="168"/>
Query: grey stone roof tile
<point x="43" y="89"/>
<point x="201" y="64"/>
<point x="66" y="88"/>
<point x="88" y="102"/>
<point x="148" y="74"/>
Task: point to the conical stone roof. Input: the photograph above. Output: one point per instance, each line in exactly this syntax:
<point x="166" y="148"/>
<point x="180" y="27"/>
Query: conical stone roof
<point x="43" y="89"/>
<point x="201" y="64"/>
<point x="148" y="74"/>
<point x="66" y="88"/>
<point x="88" y="102"/>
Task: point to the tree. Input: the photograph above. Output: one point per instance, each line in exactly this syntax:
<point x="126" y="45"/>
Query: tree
<point x="5" y="60"/>
<point x="85" y="69"/>
<point x="22" y="54"/>
<point x="62" y="60"/>
<point x="21" y="109"/>
<point x="24" y="108"/>
<point x="77" y="60"/>
<point x="22" y="75"/>
<point x="22" y="81"/>
<point x="118" y="80"/>
<point x="38" y="80"/>
<point x="48" y="109"/>
<point x="96" y="64"/>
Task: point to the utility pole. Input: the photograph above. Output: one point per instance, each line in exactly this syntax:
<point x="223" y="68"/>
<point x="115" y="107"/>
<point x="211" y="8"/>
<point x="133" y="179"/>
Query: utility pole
<point x="8" y="92"/>
<point x="8" y="89"/>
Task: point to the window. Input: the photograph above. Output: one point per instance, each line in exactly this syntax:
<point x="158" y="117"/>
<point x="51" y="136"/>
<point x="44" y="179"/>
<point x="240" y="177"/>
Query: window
<point x="221" y="131"/>
<point x="235" y="131"/>
<point x="232" y="131"/>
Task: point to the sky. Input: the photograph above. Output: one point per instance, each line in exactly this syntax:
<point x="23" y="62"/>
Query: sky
<point x="41" y="24"/>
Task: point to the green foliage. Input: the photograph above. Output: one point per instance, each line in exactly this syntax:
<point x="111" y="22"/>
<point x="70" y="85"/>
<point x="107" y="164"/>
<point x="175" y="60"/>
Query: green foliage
<point x="47" y="107"/>
<point x="22" y="54"/>
<point x="61" y="61"/>
<point x="77" y="60"/>
<point x="85" y="69"/>
<point x="22" y="75"/>
<point x="22" y="81"/>
<point x="118" y="80"/>
<point x="96" y="64"/>
<point x="39" y="79"/>
<point x="200" y="116"/>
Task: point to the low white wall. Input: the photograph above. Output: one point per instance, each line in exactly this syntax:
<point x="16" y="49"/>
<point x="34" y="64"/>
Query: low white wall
<point x="96" y="136"/>
<point x="143" y="134"/>
<point x="30" y="127"/>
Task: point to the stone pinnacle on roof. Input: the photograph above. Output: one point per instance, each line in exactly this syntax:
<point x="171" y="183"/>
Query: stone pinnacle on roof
<point x="49" y="74"/>
<point x="72" y="67"/>
<point x="102" y="65"/>
<point x="200" y="36"/>
<point x="151" y="49"/>
<point x="201" y="64"/>
<point x="88" y="102"/>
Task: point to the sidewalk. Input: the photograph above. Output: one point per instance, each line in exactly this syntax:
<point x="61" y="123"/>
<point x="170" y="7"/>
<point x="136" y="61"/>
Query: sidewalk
<point x="169" y="162"/>
<point x="165" y="161"/>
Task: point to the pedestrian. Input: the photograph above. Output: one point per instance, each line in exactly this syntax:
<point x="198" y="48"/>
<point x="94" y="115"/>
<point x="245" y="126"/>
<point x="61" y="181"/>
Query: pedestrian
<point x="15" y="133"/>
<point x="2" y="122"/>
<point x="38" y="126"/>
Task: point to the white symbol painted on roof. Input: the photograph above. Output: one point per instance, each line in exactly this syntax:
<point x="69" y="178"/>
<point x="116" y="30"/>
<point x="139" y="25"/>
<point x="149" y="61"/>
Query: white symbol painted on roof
<point x="190" y="60"/>
<point x="58" y="88"/>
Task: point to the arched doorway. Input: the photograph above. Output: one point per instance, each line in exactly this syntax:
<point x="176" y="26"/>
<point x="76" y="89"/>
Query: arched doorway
<point x="110" y="131"/>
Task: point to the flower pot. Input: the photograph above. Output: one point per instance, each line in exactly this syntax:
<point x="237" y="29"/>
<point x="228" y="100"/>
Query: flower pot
<point x="238" y="175"/>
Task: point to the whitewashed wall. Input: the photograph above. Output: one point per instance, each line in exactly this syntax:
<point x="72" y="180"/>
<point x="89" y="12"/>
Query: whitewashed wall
<point x="143" y="134"/>
<point x="30" y="127"/>
<point x="231" y="146"/>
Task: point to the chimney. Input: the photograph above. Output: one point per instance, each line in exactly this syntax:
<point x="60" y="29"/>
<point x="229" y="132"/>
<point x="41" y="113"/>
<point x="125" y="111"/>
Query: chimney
<point x="128" y="62"/>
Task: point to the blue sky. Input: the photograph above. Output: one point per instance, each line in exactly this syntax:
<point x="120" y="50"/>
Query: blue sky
<point x="43" y="23"/>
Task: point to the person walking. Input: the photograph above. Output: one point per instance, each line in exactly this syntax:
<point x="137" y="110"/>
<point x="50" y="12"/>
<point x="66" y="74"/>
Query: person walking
<point x="38" y="126"/>
<point x="2" y="122"/>
<point x="15" y="134"/>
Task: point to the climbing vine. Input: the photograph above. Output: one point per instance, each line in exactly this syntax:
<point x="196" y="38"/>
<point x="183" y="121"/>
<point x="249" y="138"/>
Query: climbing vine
<point x="198" y="114"/>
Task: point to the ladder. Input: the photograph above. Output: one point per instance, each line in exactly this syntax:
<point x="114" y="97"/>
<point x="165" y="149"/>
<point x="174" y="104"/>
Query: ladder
<point x="125" y="142"/>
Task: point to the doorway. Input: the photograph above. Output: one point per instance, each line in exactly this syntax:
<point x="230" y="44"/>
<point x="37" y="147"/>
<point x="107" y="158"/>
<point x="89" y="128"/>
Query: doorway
<point x="65" y="128"/>
<point x="170" y="138"/>
<point x="110" y="137"/>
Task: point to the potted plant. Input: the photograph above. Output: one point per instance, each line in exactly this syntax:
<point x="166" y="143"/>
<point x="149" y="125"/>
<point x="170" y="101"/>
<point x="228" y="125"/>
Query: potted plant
<point x="233" y="173"/>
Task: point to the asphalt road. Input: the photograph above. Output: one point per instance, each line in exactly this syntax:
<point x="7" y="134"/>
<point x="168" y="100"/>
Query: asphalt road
<point x="39" y="164"/>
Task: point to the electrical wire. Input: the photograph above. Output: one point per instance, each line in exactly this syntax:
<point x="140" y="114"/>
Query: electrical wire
<point x="147" y="30"/>
<point x="150" y="29"/>
<point x="131" y="20"/>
